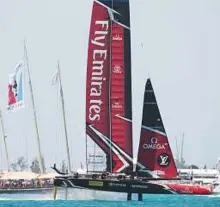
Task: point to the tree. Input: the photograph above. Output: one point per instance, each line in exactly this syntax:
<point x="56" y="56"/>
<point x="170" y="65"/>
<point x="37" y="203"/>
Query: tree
<point x="35" y="166"/>
<point x="193" y="167"/>
<point x="14" y="167"/>
<point x="64" y="167"/>
<point x="20" y="164"/>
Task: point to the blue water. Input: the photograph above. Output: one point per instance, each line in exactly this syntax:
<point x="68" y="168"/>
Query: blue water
<point x="83" y="198"/>
<point x="149" y="200"/>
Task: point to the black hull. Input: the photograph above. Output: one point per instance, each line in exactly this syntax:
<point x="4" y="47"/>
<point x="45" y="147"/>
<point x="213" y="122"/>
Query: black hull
<point x="124" y="186"/>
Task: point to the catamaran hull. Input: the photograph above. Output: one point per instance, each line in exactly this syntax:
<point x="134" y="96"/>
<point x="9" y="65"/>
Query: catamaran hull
<point x="131" y="186"/>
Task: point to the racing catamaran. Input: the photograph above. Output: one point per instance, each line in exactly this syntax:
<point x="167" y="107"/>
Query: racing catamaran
<point x="109" y="154"/>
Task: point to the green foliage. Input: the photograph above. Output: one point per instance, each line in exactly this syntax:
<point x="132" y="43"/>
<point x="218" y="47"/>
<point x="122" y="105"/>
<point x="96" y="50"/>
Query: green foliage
<point x="14" y="167"/>
<point x="64" y="167"/>
<point x="20" y="165"/>
<point x="35" y="166"/>
<point x="182" y="165"/>
<point x="193" y="167"/>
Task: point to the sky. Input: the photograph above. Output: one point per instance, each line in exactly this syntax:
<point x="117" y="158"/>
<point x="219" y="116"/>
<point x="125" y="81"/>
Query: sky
<point x="180" y="53"/>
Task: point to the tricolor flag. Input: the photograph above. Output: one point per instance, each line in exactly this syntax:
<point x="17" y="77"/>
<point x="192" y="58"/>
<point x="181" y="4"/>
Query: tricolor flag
<point x="15" y="88"/>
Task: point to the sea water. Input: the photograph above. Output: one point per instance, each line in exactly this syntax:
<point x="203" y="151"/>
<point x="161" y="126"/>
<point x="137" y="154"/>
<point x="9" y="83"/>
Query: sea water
<point x="82" y="198"/>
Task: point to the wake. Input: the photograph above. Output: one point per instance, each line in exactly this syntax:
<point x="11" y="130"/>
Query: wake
<point x="73" y="194"/>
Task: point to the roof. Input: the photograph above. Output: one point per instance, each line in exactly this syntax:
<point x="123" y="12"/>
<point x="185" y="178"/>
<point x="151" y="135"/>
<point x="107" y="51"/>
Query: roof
<point x="47" y="176"/>
<point x="19" y="176"/>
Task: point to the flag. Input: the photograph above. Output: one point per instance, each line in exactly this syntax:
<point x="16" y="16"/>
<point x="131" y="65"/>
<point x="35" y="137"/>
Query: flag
<point x="55" y="78"/>
<point x="15" y="88"/>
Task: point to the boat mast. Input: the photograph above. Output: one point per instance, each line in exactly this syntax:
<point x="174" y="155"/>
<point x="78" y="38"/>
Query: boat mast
<point x="110" y="84"/>
<point x="177" y="151"/>
<point x="181" y="155"/>
<point x="34" y="111"/>
<point x="64" y="116"/>
<point x="86" y="152"/>
<point x="5" y="143"/>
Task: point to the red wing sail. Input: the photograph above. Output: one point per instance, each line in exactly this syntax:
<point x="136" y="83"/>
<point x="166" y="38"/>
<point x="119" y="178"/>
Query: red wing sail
<point x="154" y="152"/>
<point x="108" y="89"/>
<point x="121" y="131"/>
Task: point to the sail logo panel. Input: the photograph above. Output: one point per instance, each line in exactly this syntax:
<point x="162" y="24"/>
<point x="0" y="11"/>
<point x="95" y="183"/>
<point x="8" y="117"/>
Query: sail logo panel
<point x="157" y="153"/>
<point x="108" y="94"/>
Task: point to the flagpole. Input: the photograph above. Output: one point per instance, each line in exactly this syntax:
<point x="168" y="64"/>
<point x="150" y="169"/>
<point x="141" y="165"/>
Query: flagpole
<point x="34" y="111"/>
<point x="5" y="143"/>
<point x="64" y="116"/>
